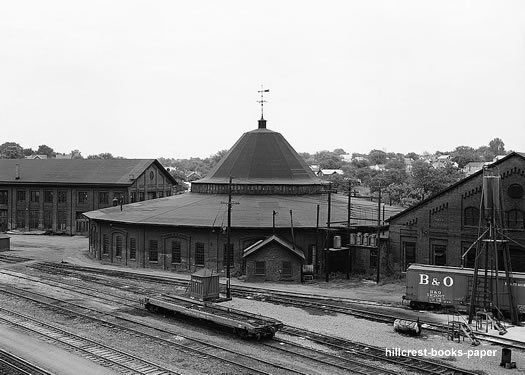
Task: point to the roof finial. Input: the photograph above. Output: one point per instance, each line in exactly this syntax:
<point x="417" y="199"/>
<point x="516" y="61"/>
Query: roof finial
<point x="262" y="121"/>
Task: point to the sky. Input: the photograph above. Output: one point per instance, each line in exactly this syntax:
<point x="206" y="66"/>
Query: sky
<point x="179" y="79"/>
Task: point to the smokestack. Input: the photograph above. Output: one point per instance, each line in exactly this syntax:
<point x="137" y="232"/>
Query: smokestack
<point x="17" y="172"/>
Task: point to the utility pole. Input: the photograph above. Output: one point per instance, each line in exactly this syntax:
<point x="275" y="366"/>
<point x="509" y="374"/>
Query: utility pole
<point x="348" y="226"/>
<point x="378" y="235"/>
<point x="327" y="276"/>
<point x="228" y="239"/>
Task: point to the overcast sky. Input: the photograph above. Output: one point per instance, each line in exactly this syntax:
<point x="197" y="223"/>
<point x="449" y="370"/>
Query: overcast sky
<point x="144" y="79"/>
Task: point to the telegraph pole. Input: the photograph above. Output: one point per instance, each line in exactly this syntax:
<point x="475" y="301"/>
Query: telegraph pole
<point x="328" y="233"/>
<point x="228" y="239"/>
<point x="348" y="226"/>
<point x="378" y="235"/>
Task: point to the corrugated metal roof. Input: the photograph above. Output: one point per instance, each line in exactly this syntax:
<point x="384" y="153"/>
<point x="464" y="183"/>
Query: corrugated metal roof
<point x="74" y="171"/>
<point x="262" y="156"/>
<point x="253" y="211"/>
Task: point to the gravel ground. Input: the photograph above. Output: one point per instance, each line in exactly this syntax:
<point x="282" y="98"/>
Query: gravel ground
<point x="383" y="335"/>
<point x="73" y="249"/>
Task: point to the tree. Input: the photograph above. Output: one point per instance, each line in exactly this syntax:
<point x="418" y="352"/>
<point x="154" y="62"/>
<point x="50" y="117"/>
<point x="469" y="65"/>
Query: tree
<point x="464" y="155"/>
<point x="11" y="150"/>
<point x="412" y="155"/>
<point x="103" y="155"/>
<point x="497" y="146"/>
<point x="328" y="160"/>
<point x="75" y="154"/>
<point x="45" y="150"/>
<point x="28" y="151"/>
<point x="377" y="157"/>
<point x="339" y="151"/>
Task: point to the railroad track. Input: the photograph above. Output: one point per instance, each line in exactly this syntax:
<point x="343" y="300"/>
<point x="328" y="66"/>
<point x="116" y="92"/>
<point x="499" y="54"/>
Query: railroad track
<point x="347" y="363"/>
<point x="12" y="259"/>
<point x="347" y="351"/>
<point x="195" y="347"/>
<point x="11" y="364"/>
<point x="285" y="298"/>
<point x="110" y="357"/>
<point x="351" y="348"/>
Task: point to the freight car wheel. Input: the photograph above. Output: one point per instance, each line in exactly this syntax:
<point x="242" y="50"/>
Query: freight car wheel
<point x="242" y="333"/>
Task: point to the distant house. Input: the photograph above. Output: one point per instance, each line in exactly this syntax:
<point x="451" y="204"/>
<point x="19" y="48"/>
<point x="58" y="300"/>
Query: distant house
<point x="473" y="167"/>
<point x="378" y="167"/>
<point x="193" y="175"/>
<point x="408" y="164"/>
<point x="315" y="168"/>
<point x="36" y="157"/>
<point x="329" y="172"/>
<point x="52" y="194"/>
<point x="346" y="158"/>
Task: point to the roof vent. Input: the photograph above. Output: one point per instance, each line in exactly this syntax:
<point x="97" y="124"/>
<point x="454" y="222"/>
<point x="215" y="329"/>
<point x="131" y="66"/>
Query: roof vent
<point x="17" y="172"/>
<point x="131" y="176"/>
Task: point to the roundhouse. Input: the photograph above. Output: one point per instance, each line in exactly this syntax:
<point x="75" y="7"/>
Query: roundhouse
<point x="278" y="218"/>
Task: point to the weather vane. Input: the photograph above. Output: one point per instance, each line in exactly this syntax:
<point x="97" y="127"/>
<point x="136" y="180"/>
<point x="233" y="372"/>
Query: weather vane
<point x="262" y="101"/>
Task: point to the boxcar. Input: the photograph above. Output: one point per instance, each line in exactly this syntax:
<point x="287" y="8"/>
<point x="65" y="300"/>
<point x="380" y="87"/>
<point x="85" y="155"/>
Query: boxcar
<point x="441" y="286"/>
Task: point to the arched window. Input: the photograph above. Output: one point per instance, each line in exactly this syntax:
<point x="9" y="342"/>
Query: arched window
<point x="515" y="219"/>
<point x="471" y="216"/>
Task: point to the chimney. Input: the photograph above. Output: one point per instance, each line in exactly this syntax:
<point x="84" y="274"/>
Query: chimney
<point x="262" y="123"/>
<point x="17" y="172"/>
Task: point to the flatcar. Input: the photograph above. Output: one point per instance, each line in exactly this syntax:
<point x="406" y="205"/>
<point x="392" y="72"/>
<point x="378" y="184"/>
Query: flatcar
<point x="430" y="286"/>
<point x="244" y="324"/>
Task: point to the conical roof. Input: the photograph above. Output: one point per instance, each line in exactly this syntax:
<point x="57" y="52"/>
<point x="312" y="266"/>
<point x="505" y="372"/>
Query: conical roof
<point x="261" y="162"/>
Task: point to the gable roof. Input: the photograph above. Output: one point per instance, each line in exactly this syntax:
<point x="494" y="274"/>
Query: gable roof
<point x="273" y="238"/>
<point x="76" y="171"/>
<point x="453" y="186"/>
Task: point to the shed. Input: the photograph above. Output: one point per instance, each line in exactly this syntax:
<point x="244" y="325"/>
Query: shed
<point x="204" y="285"/>
<point x="5" y="242"/>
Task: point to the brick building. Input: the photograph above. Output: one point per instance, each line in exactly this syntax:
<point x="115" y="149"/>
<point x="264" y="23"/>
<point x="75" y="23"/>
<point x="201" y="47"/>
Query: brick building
<point x="53" y="194"/>
<point x="186" y="232"/>
<point x="440" y="229"/>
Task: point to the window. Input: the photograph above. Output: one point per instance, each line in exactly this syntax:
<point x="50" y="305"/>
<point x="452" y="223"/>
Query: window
<point x="3" y="196"/>
<point x="82" y="197"/>
<point x="62" y="196"/>
<point x="132" y="248"/>
<point x="152" y="195"/>
<point x="199" y="254"/>
<point x="61" y="219"/>
<point x="373" y="258"/>
<point x="440" y="254"/>
<point x="34" y="196"/>
<point x="515" y="219"/>
<point x="48" y="219"/>
<point x="175" y="252"/>
<point x="20" y="196"/>
<point x="470" y="258"/>
<point x="118" y="246"/>
<point x="105" y="244"/>
<point x="287" y="268"/>
<point x="409" y="250"/>
<point x="224" y="257"/>
<point x="48" y="196"/>
<point x="103" y="197"/>
<point x="20" y="218"/>
<point x="161" y="194"/>
<point x="141" y="196"/>
<point x="168" y="193"/>
<point x="133" y="196"/>
<point x="151" y="175"/>
<point x="34" y="219"/>
<point x="471" y="216"/>
<point x="260" y="268"/>
<point x="153" y="251"/>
